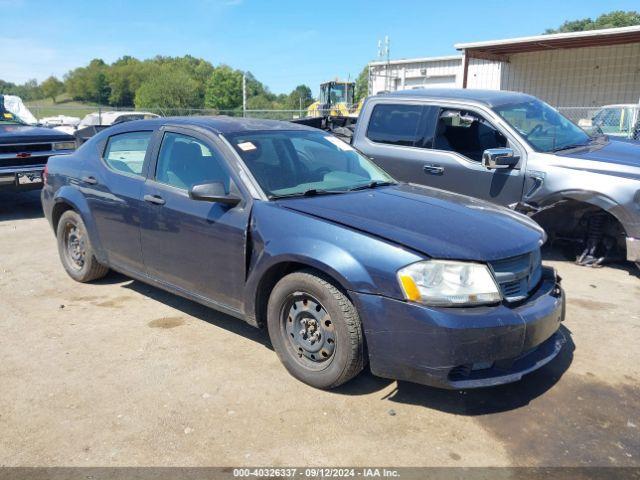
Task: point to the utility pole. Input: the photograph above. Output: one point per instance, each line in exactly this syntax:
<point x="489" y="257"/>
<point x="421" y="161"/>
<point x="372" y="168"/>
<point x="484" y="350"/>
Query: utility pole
<point x="244" y="95"/>
<point x="384" y="52"/>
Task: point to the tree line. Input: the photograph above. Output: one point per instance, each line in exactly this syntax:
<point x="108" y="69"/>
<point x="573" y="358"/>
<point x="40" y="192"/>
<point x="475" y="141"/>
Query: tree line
<point x="161" y="82"/>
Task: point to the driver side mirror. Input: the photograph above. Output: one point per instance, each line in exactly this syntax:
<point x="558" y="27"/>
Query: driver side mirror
<point x="499" y="158"/>
<point x="213" y="192"/>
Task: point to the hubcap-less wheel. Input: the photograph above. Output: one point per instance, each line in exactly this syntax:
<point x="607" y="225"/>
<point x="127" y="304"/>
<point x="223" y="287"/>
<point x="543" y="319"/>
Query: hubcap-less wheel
<point x="74" y="246"/>
<point x="309" y="330"/>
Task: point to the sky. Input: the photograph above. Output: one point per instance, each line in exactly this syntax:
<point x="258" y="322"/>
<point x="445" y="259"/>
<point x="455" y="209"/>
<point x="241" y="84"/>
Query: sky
<point x="284" y="43"/>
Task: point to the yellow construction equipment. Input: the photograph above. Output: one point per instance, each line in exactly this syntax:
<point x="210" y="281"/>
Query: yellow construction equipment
<point x="336" y="100"/>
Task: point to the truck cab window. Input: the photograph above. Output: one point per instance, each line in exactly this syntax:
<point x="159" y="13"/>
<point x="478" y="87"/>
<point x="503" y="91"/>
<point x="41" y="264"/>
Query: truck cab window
<point x="466" y="133"/>
<point x="395" y="124"/>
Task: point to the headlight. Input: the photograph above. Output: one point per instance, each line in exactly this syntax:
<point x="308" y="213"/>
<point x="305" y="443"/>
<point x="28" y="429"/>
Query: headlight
<point x="448" y="283"/>
<point x="64" y="146"/>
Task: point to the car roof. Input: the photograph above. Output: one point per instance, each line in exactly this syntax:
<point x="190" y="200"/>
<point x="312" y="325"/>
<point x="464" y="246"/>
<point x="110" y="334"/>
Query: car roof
<point x="490" y="98"/>
<point x="219" y="124"/>
<point x="618" y="105"/>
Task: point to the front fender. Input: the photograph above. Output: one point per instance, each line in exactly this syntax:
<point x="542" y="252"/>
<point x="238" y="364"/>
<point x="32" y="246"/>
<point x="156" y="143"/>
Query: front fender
<point x="629" y="220"/>
<point x="357" y="261"/>
<point x="73" y="197"/>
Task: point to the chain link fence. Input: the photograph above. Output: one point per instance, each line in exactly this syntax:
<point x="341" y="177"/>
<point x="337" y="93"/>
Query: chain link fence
<point x="79" y="111"/>
<point x="622" y="121"/>
<point x="614" y="120"/>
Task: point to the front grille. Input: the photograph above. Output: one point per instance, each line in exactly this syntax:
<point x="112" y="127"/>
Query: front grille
<point x="22" y="162"/>
<point x="26" y="148"/>
<point x="518" y="276"/>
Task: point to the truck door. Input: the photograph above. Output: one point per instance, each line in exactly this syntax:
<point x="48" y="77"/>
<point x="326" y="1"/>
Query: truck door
<point x="396" y="136"/>
<point x="454" y="161"/>
<point x="440" y="147"/>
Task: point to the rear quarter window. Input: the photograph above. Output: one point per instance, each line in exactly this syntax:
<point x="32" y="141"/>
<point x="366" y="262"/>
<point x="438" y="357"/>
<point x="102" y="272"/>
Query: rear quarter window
<point x="125" y="152"/>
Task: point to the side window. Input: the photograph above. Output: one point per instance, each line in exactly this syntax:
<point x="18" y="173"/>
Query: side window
<point x="466" y="133"/>
<point x="125" y="152"/>
<point x="184" y="161"/>
<point x="395" y="124"/>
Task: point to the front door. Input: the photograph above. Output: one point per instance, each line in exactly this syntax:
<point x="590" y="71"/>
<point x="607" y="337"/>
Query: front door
<point x="196" y="246"/>
<point x="460" y="138"/>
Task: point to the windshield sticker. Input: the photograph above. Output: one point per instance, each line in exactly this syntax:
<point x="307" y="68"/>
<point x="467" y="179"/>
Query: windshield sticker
<point x="246" y="146"/>
<point x="340" y="144"/>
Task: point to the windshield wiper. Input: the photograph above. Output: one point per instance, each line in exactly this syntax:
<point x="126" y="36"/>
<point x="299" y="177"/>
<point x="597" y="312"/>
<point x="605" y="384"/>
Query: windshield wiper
<point x="372" y="184"/>
<point x="307" y="193"/>
<point x="570" y="146"/>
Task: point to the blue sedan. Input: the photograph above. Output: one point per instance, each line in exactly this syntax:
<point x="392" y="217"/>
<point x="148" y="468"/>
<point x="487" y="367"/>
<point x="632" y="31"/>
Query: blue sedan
<point x="292" y="230"/>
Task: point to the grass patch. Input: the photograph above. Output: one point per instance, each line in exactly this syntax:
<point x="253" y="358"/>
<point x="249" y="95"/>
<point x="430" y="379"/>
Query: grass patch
<point x="64" y="106"/>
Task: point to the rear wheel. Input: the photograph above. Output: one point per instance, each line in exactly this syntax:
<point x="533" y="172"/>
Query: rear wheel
<point x="315" y="330"/>
<point x="75" y="249"/>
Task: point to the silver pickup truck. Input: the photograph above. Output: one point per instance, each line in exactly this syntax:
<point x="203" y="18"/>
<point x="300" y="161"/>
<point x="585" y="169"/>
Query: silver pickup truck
<point x="514" y="150"/>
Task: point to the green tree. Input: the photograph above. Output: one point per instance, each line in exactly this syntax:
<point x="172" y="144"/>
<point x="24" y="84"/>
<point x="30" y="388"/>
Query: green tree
<point x="29" y="90"/>
<point x="224" y="89"/>
<point x="617" y="18"/>
<point x="171" y="89"/>
<point x="362" y="84"/>
<point x="51" y="88"/>
<point x="89" y="83"/>
<point x="300" y="97"/>
<point x="124" y="77"/>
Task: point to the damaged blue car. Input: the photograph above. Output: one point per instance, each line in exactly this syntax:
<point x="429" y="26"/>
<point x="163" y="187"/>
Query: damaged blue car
<point x="290" y="229"/>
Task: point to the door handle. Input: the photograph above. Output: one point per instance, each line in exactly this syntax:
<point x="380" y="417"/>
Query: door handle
<point x="155" y="199"/>
<point x="90" y="180"/>
<point x="433" y="169"/>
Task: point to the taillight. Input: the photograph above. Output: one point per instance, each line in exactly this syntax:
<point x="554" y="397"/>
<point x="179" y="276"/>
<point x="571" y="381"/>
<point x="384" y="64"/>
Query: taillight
<point x="45" y="172"/>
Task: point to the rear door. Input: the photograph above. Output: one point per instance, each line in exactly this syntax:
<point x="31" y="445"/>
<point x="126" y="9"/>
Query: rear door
<point x="196" y="246"/>
<point x="396" y="136"/>
<point x="113" y="190"/>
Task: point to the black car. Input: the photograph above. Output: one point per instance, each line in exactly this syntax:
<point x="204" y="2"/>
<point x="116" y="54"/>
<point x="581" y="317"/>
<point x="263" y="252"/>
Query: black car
<point x="287" y="227"/>
<point x="25" y="149"/>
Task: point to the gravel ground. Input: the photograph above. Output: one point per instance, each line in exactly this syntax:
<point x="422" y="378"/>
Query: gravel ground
<point x="118" y="373"/>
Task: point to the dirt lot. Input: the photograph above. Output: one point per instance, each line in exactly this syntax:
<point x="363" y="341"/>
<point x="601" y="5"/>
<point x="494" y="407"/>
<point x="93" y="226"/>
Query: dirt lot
<point x="118" y="373"/>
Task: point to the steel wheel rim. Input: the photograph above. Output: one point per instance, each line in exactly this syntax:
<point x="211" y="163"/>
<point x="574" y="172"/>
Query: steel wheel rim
<point x="309" y="330"/>
<point x="74" y="246"/>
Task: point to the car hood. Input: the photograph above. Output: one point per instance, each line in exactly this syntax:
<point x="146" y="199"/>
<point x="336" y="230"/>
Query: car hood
<point x="615" y="152"/>
<point x="434" y="222"/>
<point x="27" y="133"/>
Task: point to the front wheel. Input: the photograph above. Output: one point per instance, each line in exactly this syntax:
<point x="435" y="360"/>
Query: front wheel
<point x="74" y="247"/>
<point x="315" y="330"/>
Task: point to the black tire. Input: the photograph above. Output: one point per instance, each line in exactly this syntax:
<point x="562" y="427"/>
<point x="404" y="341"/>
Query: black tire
<point x="329" y="317"/>
<point x="74" y="248"/>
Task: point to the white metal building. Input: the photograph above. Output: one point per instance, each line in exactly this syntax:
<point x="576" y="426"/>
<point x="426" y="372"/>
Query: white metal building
<point x="576" y="71"/>
<point x="415" y="73"/>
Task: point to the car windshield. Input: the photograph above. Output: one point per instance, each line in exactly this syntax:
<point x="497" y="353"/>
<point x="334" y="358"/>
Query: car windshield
<point x="8" y="117"/>
<point x="296" y="163"/>
<point x="542" y="126"/>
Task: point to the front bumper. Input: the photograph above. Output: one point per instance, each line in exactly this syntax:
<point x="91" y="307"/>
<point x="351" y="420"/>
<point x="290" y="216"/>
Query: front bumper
<point x="21" y="177"/>
<point x="463" y="347"/>
<point x="633" y="249"/>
